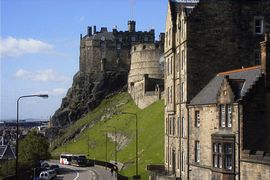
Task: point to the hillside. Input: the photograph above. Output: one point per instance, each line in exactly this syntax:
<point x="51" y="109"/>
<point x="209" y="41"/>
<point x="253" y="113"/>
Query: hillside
<point x="91" y="131"/>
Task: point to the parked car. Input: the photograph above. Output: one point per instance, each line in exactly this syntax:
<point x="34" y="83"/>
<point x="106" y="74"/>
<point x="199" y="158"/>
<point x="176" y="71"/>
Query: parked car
<point x="45" y="165"/>
<point x="47" y="175"/>
<point x="55" y="167"/>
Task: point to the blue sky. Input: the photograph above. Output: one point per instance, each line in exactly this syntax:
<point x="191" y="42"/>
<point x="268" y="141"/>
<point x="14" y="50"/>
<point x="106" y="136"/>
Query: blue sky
<point x="39" y="45"/>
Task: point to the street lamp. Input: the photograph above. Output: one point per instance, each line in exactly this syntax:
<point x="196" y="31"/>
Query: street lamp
<point x="17" y="129"/>
<point x="115" y="144"/>
<point x="137" y="176"/>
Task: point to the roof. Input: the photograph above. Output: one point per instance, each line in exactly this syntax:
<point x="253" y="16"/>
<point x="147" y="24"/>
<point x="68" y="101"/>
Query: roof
<point x="178" y="5"/>
<point x="240" y="80"/>
<point x="6" y="152"/>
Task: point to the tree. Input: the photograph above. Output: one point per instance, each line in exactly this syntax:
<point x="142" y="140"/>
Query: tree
<point x="34" y="147"/>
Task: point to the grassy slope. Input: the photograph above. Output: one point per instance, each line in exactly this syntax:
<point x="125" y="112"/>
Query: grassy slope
<point x="150" y="125"/>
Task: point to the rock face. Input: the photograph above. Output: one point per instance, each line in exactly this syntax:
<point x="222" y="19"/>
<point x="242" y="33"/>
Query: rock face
<point x="86" y="93"/>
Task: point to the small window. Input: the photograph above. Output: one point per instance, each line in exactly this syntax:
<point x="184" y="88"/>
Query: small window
<point x="222" y="115"/>
<point x="146" y="39"/>
<point x="226" y="115"/>
<point x="197" y="119"/>
<point x="258" y="25"/>
<point x="257" y="57"/>
<point x="183" y="127"/>
<point x="133" y="38"/>
<point x="197" y="151"/>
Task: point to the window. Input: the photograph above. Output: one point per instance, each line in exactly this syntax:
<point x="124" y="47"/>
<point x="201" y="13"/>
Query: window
<point x="171" y="95"/>
<point x="166" y="125"/>
<point x="182" y="92"/>
<point x="182" y="59"/>
<point x="173" y="124"/>
<point x="228" y="150"/>
<point x="133" y="38"/>
<point x="168" y="95"/>
<point x="183" y="161"/>
<point x="197" y="151"/>
<point x="171" y="65"/>
<point x="197" y="119"/>
<point x="217" y="155"/>
<point x="259" y="25"/>
<point x="145" y="38"/>
<point x="178" y="126"/>
<point x="226" y="115"/>
<point x="223" y="155"/>
<point x="183" y="127"/>
<point x="257" y="57"/>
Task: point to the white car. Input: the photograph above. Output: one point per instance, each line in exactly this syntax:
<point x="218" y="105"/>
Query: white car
<point x="47" y="175"/>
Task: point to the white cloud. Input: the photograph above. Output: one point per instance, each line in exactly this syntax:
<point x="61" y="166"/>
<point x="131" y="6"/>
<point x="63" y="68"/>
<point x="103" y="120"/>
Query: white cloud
<point x="45" y="75"/>
<point x="54" y="92"/>
<point x="13" y="47"/>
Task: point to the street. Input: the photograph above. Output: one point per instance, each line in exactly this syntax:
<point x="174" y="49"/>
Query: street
<point x="67" y="172"/>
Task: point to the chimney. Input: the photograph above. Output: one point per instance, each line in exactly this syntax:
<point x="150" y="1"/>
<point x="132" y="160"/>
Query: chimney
<point x="265" y="61"/>
<point x="89" y="31"/>
<point x="132" y="26"/>
<point x="95" y="30"/>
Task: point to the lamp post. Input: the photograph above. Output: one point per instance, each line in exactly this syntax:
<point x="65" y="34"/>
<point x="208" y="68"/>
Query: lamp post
<point x="137" y="176"/>
<point x="17" y="128"/>
<point x="115" y="144"/>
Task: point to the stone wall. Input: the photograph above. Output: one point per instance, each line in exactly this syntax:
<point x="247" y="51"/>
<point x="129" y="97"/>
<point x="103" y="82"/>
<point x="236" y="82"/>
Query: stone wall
<point x="255" y="166"/>
<point x="222" y="41"/>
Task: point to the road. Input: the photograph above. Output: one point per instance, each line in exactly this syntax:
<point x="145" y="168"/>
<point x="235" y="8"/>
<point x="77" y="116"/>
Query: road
<point x="67" y="172"/>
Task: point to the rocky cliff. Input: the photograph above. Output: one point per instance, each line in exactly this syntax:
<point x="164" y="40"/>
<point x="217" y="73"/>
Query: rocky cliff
<point x="86" y="93"/>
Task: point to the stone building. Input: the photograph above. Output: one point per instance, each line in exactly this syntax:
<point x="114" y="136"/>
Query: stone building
<point x="145" y="79"/>
<point x="202" y="39"/>
<point x="105" y="51"/>
<point x="229" y="124"/>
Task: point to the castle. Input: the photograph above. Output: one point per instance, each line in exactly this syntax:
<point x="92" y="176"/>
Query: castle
<point x="217" y="96"/>
<point x="137" y="51"/>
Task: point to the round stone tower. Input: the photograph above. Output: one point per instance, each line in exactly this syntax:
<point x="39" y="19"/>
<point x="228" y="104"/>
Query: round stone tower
<point x="144" y="60"/>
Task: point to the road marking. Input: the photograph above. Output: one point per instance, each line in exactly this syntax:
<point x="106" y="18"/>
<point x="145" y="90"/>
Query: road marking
<point x="77" y="174"/>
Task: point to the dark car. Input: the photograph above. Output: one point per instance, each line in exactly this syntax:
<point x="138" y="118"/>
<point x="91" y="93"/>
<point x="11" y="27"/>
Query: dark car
<point x="55" y="167"/>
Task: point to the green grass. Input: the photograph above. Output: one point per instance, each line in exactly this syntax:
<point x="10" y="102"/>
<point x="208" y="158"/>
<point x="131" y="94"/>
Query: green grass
<point x="150" y="131"/>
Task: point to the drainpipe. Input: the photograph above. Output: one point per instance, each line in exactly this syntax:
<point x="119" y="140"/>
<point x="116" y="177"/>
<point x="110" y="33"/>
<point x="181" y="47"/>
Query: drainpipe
<point x="187" y="141"/>
<point x="239" y="140"/>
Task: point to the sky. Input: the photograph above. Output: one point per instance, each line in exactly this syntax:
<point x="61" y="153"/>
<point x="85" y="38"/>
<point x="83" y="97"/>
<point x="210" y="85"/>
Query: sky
<point x="39" y="45"/>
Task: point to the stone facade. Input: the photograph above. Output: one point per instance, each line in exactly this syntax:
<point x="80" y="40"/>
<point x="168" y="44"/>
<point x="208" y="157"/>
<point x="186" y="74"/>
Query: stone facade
<point x="145" y="79"/>
<point x="106" y="51"/>
<point x="202" y="39"/>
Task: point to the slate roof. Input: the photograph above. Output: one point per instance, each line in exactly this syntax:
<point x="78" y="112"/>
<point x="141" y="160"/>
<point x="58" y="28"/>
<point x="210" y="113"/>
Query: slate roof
<point x="6" y="152"/>
<point x="240" y="80"/>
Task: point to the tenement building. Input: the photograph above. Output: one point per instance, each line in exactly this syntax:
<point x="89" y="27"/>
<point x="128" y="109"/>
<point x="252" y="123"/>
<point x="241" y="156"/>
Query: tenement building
<point x="216" y="90"/>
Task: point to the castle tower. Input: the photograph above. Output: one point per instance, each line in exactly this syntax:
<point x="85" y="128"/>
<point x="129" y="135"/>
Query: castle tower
<point x="132" y="26"/>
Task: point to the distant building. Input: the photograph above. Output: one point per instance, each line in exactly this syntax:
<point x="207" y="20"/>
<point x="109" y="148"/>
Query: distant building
<point x="202" y="39"/>
<point x="6" y="153"/>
